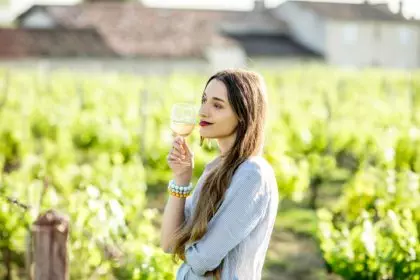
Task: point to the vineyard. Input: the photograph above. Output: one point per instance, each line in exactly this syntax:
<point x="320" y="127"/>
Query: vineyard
<point x="345" y="147"/>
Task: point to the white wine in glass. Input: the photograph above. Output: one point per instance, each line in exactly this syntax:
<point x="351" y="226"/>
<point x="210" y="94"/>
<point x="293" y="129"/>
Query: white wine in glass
<point x="182" y="129"/>
<point x="183" y="119"/>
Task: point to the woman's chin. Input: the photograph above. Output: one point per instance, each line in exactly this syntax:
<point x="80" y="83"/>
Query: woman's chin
<point x="203" y="132"/>
<point x="209" y="133"/>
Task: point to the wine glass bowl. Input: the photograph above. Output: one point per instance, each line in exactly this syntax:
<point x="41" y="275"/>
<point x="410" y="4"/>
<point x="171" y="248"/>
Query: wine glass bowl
<point x="183" y="119"/>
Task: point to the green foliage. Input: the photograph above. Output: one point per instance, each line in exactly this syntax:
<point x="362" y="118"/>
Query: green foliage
<point x="76" y="149"/>
<point x="373" y="233"/>
<point x="91" y="146"/>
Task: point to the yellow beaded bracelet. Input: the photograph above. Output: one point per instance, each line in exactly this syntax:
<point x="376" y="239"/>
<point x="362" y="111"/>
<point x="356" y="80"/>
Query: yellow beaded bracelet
<point x="178" y="194"/>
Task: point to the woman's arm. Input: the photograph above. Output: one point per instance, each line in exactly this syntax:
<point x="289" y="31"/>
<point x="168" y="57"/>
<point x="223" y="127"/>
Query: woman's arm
<point x="181" y="161"/>
<point x="173" y="218"/>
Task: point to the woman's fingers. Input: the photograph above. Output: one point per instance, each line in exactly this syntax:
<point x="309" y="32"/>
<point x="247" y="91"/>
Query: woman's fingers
<point x="173" y="160"/>
<point x="177" y="154"/>
<point x="187" y="149"/>
<point x="178" y="149"/>
<point x="178" y="146"/>
<point x="182" y="146"/>
<point x="171" y="156"/>
<point x="180" y="153"/>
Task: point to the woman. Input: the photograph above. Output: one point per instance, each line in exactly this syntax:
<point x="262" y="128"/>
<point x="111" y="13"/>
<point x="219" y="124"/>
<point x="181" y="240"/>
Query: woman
<point x="224" y="228"/>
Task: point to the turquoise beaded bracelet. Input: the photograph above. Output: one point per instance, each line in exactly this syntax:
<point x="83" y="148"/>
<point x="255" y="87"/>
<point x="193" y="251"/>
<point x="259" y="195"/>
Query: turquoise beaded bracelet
<point x="181" y="190"/>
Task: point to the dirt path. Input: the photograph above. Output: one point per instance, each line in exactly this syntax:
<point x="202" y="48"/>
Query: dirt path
<point x="294" y="257"/>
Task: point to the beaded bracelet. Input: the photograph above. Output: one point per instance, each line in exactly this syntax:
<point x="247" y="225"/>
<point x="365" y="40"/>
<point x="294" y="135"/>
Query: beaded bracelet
<point x="179" y="191"/>
<point x="183" y="195"/>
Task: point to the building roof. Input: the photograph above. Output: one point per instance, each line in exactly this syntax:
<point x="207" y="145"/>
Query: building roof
<point x="256" y="45"/>
<point x="261" y="34"/>
<point x="132" y="29"/>
<point x="21" y="43"/>
<point x="349" y="11"/>
<point x="255" y="22"/>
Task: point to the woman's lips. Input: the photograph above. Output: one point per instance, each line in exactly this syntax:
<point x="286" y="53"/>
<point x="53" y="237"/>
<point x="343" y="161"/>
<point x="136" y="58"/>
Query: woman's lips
<point x="203" y="123"/>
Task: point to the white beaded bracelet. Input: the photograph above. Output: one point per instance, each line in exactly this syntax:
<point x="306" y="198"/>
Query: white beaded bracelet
<point x="172" y="186"/>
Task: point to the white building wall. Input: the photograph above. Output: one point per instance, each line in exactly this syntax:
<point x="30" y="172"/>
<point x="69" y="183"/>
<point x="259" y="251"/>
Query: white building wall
<point x="350" y="44"/>
<point x="306" y="27"/>
<point x="400" y="44"/>
<point x="372" y="44"/>
<point x="220" y="58"/>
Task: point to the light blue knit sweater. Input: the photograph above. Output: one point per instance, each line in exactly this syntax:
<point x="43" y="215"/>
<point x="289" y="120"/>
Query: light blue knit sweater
<point x="240" y="231"/>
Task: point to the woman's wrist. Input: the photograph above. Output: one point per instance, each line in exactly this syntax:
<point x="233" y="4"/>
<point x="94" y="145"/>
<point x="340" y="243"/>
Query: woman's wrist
<point x="182" y="181"/>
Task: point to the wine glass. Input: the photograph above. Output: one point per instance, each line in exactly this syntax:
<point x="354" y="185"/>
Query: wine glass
<point x="183" y="119"/>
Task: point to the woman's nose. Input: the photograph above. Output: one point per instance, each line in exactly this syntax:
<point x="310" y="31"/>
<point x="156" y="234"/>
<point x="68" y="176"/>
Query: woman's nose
<point x="203" y="111"/>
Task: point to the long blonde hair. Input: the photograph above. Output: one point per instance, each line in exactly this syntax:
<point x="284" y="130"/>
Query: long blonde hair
<point x="247" y="97"/>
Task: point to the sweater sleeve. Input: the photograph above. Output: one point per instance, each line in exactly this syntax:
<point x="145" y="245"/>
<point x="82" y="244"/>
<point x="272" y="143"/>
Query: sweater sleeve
<point x="187" y="208"/>
<point x="245" y="204"/>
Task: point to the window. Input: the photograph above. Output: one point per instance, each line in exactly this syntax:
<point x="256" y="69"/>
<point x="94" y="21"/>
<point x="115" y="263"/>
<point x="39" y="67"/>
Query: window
<point x="350" y="33"/>
<point x="405" y="35"/>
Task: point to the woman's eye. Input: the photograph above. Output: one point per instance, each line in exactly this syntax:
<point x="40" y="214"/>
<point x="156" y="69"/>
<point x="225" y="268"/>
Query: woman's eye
<point x="217" y="106"/>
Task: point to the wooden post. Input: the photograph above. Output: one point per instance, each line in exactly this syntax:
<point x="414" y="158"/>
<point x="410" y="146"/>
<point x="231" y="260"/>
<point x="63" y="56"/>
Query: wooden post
<point x="50" y="234"/>
<point x="28" y="256"/>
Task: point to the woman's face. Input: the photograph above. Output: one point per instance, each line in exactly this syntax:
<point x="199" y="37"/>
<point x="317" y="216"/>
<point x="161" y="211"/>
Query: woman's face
<point x="216" y="110"/>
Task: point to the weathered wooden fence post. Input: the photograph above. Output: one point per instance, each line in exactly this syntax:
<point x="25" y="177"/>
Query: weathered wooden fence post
<point x="50" y="234"/>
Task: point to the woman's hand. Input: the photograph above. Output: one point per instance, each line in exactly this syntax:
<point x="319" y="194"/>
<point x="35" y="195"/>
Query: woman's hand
<point x="181" y="161"/>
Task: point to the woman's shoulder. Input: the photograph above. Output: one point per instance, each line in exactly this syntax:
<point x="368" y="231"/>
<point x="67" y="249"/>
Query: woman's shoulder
<point x="256" y="167"/>
<point x="257" y="163"/>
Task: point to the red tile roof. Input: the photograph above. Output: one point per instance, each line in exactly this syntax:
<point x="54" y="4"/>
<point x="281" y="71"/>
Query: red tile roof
<point x="19" y="43"/>
<point x="132" y="29"/>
